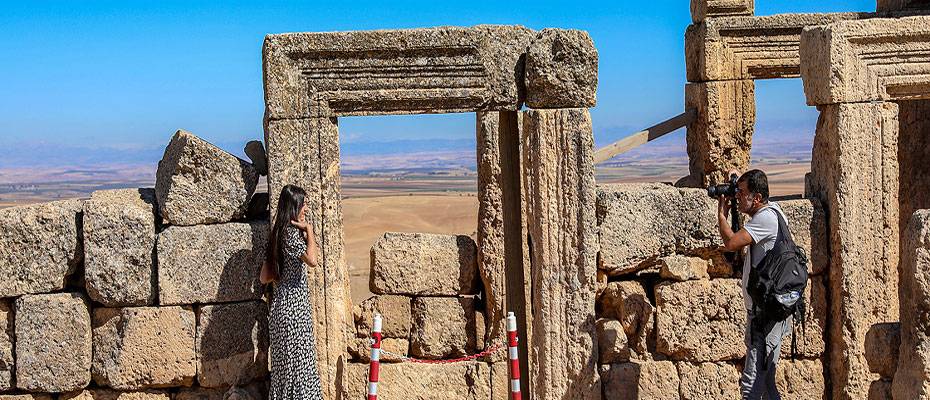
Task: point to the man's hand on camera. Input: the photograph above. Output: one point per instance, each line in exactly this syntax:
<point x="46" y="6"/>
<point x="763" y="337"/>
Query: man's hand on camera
<point x="723" y="206"/>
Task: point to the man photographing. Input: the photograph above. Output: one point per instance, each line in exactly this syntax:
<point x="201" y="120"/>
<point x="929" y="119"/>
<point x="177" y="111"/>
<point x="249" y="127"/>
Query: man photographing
<point x="764" y="333"/>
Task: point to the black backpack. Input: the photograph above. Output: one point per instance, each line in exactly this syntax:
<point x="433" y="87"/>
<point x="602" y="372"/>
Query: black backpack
<point x="777" y="284"/>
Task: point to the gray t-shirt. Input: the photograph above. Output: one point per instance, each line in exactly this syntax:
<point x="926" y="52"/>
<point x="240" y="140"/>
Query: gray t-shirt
<point x="763" y="227"/>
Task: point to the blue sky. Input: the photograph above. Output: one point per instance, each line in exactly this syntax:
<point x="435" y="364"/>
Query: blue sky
<point x="124" y="75"/>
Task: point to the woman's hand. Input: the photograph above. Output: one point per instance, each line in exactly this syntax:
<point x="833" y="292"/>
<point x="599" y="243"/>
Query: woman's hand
<point x="302" y="225"/>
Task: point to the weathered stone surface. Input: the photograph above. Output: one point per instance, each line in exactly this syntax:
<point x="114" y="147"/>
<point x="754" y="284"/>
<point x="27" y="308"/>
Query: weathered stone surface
<point x="258" y="207"/>
<point x="254" y="391"/>
<point x="445" y="265"/>
<point x="730" y="48"/>
<point x="395" y="316"/>
<point x="144" y="347"/>
<point x="255" y="150"/>
<point x="708" y="381"/>
<point x="627" y="302"/>
<point x="640" y="222"/>
<point x="654" y="380"/>
<point x="443" y="327"/>
<point x="558" y="165"/>
<point x="211" y="263"/>
<point x="808" y="228"/>
<point x="408" y="71"/>
<point x="839" y="66"/>
<point x="912" y="377"/>
<point x="711" y="329"/>
<point x="612" y="342"/>
<point x="197" y="183"/>
<point x="720" y="137"/>
<point x="683" y="268"/>
<point x="561" y="70"/>
<point x="880" y="390"/>
<point x="7" y="339"/>
<point x="881" y="348"/>
<point x="232" y="343"/>
<point x="53" y="342"/>
<point x="854" y="174"/>
<point x="360" y="349"/>
<point x="901" y="5"/>
<point x="105" y="394"/>
<point x="410" y="381"/>
<point x="40" y="245"/>
<point x="25" y="397"/>
<point x="800" y="379"/>
<point x="119" y="247"/>
<point x="701" y="9"/>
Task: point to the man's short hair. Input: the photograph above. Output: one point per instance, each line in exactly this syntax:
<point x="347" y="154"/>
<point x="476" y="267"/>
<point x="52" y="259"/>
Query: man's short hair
<point x="756" y="182"/>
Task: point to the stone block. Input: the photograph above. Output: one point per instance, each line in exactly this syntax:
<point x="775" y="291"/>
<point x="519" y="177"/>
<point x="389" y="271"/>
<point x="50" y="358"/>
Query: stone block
<point x="198" y="183"/>
<point x="443" y="327"/>
<point x="683" y="268"/>
<point x="701" y="9"/>
<point x="653" y="380"/>
<point x="404" y="71"/>
<point x="881" y="348"/>
<point x="232" y="343"/>
<point x="106" y="394"/>
<point x="808" y="227"/>
<point x="409" y="381"/>
<point x="641" y="222"/>
<point x="255" y="150"/>
<point x="627" y="302"/>
<point x="800" y="379"/>
<point x="911" y="379"/>
<point x="901" y="5"/>
<point x="360" y="349"/>
<point x="53" y="342"/>
<point x="119" y="247"/>
<point x="40" y="245"/>
<point x="254" y="391"/>
<point x="712" y="329"/>
<point x="395" y="316"/>
<point x="612" y="342"/>
<point x="211" y="263"/>
<point x="880" y="390"/>
<point x="720" y="136"/>
<point x="561" y="70"/>
<point x="25" y="397"/>
<point x="708" y="381"/>
<point x="424" y="264"/>
<point x="138" y="348"/>
<point x="7" y="340"/>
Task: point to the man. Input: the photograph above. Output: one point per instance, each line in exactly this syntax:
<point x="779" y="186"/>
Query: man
<point x="763" y="346"/>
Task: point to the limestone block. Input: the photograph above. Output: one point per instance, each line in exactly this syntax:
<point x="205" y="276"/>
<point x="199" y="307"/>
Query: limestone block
<point x="25" y="397"/>
<point x="444" y="265"/>
<point x="53" y="342"/>
<point x="119" y="247"/>
<point x="800" y="379"/>
<point x="881" y="348"/>
<point x="40" y="245"/>
<point x="701" y="9"/>
<point x="683" y="268"/>
<point x="409" y="381"/>
<point x="840" y="66"/>
<point x="712" y="329"/>
<point x="912" y="379"/>
<point x="627" y="302"/>
<point x="708" y="381"/>
<point x="558" y="171"/>
<point x="144" y="347"/>
<point x="105" y="394"/>
<point x="880" y="390"/>
<point x="7" y="340"/>
<point x="748" y="47"/>
<point x="561" y="70"/>
<point x="654" y="380"/>
<point x="232" y="343"/>
<point x="405" y="71"/>
<point x="612" y="342"/>
<point x="443" y="327"/>
<point x="211" y="263"/>
<point x="901" y="5"/>
<point x="198" y="183"/>
<point x="639" y="222"/>
<point x="395" y="316"/>
<point x="808" y="227"/>
<point x="360" y="349"/>
<point x="720" y="137"/>
<point x="254" y="391"/>
<point x="255" y="150"/>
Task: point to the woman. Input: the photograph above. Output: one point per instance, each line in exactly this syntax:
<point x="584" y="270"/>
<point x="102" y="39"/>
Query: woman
<point x="290" y="321"/>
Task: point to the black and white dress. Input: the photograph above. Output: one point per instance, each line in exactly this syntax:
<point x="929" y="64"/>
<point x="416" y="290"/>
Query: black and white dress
<point x="294" y="373"/>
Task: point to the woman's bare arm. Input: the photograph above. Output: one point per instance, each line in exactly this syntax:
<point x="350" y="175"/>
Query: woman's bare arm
<point x="265" y="275"/>
<point x="310" y="256"/>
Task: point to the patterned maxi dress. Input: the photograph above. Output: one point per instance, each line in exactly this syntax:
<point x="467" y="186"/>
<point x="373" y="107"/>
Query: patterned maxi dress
<point x="290" y="324"/>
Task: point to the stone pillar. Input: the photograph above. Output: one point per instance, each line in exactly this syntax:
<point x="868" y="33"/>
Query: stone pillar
<point x="558" y="169"/>
<point x="305" y="152"/>
<point x="901" y="5"/>
<point x="701" y="9"/>
<point x="721" y="135"/>
<point x="855" y="175"/>
<point x="912" y="379"/>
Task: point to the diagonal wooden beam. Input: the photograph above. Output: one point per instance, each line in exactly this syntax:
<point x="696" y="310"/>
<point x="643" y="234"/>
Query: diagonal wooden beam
<point x="642" y="137"/>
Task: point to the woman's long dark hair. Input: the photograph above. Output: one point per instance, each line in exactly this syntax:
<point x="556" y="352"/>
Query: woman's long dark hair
<point x="290" y="202"/>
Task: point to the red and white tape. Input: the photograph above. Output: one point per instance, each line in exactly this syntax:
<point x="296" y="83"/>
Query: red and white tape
<point x="514" y="357"/>
<point x="374" y="369"/>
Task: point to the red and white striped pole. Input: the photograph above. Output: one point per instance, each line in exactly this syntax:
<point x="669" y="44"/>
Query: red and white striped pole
<point x="375" y="367"/>
<point x="514" y="357"/>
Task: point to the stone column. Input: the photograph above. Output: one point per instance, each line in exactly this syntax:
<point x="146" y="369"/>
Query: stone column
<point x="560" y="193"/>
<point x="305" y="152"/>
<point x="721" y="135"/>
<point x="912" y="379"/>
<point x="855" y="175"/>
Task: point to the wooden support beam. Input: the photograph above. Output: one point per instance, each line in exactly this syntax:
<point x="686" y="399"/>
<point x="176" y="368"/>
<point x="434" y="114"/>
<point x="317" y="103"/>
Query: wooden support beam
<point x="642" y="137"/>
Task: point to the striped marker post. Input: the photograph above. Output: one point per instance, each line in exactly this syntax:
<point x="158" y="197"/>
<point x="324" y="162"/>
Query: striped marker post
<point x="514" y="357"/>
<point x="375" y="367"/>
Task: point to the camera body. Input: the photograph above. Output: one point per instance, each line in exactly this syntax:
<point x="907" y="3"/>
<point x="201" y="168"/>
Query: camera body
<point x="724" y="189"/>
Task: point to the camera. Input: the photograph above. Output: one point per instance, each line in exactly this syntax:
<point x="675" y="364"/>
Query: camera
<point x="724" y="189"/>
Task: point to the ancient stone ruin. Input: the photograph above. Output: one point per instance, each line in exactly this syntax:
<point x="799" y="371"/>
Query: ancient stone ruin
<point x="620" y="291"/>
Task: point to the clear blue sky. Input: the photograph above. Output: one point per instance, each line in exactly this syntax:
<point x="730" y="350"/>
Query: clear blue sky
<point x="126" y="74"/>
